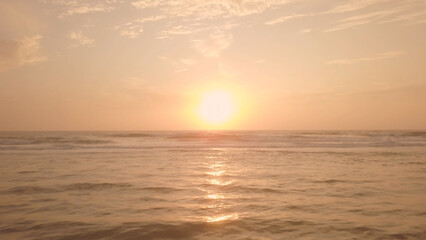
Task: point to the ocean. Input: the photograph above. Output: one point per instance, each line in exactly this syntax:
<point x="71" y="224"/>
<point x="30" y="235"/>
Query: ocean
<point x="213" y="185"/>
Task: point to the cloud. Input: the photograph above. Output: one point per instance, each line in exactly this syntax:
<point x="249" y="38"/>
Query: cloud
<point x="133" y="28"/>
<point x="305" y="31"/>
<point x="131" y="33"/>
<point x="15" y="53"/>
<point x="142" y="4"/>
<point x="353" y="5"/>
<point x="180" y="65"/>
<point x="348" y="6"/>
<point x="80" y="38"/>
<point x="216" y="42"/>
<point x="347" y="25"/>
<point x="376" y="57"/>
<point x="363" y="12"/>
<point x="77" y="7"/>
<point x="186" y="17"/>
<point x="208" y="9"/>
<point x="180" y="30"/>
<point x="362" y="19"/>
<point x="391" y="12"/>
<point x="188" y="61"/>
<point x="406" y="17"/>
<point x="86" y="9"/>
<point x="286" y="18"/>
<point x="189" y="17"/>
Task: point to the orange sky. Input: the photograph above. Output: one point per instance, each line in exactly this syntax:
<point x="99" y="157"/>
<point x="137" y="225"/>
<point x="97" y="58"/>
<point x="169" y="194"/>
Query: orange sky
<point x="143" y="64"/>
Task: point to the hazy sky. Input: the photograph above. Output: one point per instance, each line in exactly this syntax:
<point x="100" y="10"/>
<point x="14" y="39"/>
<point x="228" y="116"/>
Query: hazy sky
<point x="142" y="64"/>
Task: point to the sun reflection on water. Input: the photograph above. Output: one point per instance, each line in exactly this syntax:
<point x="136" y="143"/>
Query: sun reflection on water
<point x="216" y="173"/>
<point x="219" y="205"/>
<point x="222" y="218"/>
<point x="215" y="196"/>
<point x="218" y="182"/>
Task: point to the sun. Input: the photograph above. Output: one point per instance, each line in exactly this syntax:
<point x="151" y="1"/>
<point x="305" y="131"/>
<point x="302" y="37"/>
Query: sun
<point x="217" y="107"/>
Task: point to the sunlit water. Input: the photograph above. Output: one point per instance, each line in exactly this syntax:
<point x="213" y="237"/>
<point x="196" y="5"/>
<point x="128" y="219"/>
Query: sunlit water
<point x="213" y="185"/>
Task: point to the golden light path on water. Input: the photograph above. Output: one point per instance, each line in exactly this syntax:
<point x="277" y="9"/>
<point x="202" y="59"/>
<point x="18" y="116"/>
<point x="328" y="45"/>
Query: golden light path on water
<point x="218" y="182"/>
<point x="222" y="218"/>
<point x="217" y="173"/>
<point x="217" y="167"/>
<point x="215" y="196"/>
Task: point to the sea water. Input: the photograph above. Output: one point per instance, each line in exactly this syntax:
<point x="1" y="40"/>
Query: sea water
<point x="213" y="185"/>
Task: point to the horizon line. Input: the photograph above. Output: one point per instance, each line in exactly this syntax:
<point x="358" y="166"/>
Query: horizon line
<point x="223" y="130"/>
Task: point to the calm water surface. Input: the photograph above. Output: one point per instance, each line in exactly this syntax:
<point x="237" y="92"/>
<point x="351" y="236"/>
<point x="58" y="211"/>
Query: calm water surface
<point x="213" y="185"/>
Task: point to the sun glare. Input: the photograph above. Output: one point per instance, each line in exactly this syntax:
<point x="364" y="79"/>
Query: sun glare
<point x="217" y="107"/>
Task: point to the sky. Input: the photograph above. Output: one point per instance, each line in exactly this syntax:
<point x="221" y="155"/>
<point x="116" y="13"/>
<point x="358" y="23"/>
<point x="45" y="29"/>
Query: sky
<point x="145" y="64"/>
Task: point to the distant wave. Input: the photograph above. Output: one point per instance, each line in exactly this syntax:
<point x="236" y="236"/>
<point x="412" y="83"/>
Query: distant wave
<point x="206" y="136"/>
<point x="161" y="189"/>
<point x="241" y="189"/>
<point x="191" y="140"/>
<point x="331" y="181"/>
<point x="71" y="141"/>
<point x="34" y="140"/>
<point x="95" y="186"/>
<point x="415" y="134"/>
<point x="132" y="135"/>
<point x="30" y="190"/>
<point x="70" y="187"/>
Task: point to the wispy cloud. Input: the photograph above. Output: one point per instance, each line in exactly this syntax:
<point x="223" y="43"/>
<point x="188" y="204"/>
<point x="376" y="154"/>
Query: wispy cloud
<point x="80" y="38"/>
<point x="187" y="61"/>
<point x="376" y="57"/>
<point x="185" y="17"/>
<point x="348" y="6"/>
<point x="208" y="9"/>
<point x="15" y="53"/>
<point x="142" y="4"/>
<point x="76" y="7"/>
<point x="286" y="18"/>
<point x="180" y="65"/>
<point x="305" y="31"/>
<point x="180" y="30"/>
<point x="361" y="19"/>
<point x="353" y="5"/>
<point x="407" y="17"/>
<point x="363" y="12"/>
<point x="133" y="28"/>
<point x="216" y="42"/>
<point x="86" y="9"/>
<point x="347" y="25"/>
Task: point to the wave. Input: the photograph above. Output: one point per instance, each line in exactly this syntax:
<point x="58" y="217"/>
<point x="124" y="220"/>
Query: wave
<point x="95" y="186"/>
<point x="70" y="187"/>
<point x="28" y="226"/>
<point x="331" y="181"/>
<point x="30" y="190"/>
<point x="26" y="172"/>
<point x="161" y="189"/>
<point x="242" y="228"/>
<point x="240" y="189"/>
<point x="414" y="134"/>
<point x="107" y="186"/>
<point x="37" y="140"/>
<point x="189" y="141"/>
<point x="70" y="141"/>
